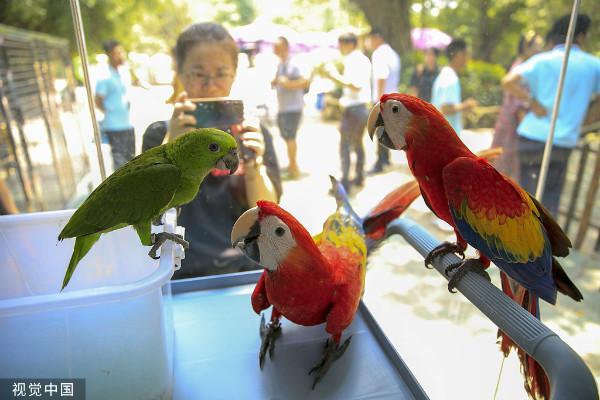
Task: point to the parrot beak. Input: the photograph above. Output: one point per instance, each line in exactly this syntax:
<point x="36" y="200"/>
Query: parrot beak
<point x="229" y="162"/>
<point x="245" y="233"/>
<point x="376" y="126"/>
<point x="374" y="120"/>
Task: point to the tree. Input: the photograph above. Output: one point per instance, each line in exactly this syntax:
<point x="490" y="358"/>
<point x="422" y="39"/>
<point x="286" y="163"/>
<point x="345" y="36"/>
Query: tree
<point x="493" y="27"/>
<point x="392" y="17"/>
<point x="123" y="20"/>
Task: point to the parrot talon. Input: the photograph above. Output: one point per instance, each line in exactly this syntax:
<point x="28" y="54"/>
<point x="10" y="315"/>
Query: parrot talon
<point x="268" y="333"/>
<point x="462" y="268"/>
<point x="158" y="239"/>
<point x="332" y="352"/>
<point x="442" y="250"/>
<point x="157" y="221"/>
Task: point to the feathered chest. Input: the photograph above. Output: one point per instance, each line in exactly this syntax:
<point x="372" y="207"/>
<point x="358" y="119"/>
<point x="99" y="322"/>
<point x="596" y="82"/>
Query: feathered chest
<point x="302" y="297"/>
<point x="187" y="189"/>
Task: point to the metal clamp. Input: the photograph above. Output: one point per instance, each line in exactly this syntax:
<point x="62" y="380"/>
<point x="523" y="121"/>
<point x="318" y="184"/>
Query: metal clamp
<point x="178" y="250"/>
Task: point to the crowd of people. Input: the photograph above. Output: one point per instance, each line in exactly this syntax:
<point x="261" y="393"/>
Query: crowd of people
<point x="206" y="58"/>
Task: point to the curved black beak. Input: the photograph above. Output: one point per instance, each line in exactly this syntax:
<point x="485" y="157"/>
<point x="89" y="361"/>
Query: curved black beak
<point x="229" y="161"/>
<point x="245" y="233"/>
<point x="376" y="127"/>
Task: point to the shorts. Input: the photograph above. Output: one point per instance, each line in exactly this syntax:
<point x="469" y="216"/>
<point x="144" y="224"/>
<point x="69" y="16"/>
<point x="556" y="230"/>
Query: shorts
<point x="288" y="123"/>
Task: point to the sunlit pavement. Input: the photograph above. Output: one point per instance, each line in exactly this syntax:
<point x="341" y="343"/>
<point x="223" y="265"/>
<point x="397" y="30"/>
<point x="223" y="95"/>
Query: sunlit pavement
<point x="448" y="344"/>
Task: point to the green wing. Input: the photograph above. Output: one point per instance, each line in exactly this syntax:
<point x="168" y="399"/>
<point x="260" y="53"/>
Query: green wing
<point x="137" y="192"/>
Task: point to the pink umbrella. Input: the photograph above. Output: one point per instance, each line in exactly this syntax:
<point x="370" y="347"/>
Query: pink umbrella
<point x="426" y="38"/>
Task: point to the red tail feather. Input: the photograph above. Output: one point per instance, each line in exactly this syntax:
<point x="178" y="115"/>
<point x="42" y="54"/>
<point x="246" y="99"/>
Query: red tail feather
<point x="536" y="382"/>
<point x="390" y="208"/>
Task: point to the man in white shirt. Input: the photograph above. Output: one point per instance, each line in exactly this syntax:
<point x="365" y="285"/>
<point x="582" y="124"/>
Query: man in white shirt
<point x="446" y="92"/>
<point x="386" y="78"/>
<point x="356" y="95"/>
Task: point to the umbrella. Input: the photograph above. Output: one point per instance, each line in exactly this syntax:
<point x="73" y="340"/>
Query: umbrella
<point x="426" y="38"/>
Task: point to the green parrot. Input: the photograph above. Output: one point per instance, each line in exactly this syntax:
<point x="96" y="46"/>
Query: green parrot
<point x="143" y="189"/>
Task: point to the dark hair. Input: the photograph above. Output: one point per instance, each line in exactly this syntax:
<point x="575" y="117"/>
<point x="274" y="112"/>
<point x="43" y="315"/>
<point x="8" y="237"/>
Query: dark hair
<point x="558" y="32"/>
<point x="455" y="47"/>
<point x="526" y="41"/>
<point x="109" y="45"/>
<point x="348" y="38"/>
<point x="204" y="32"/>
<point x="284" y="41"/>
<point x="434" y="50"/>
<point x="375" y="32"/>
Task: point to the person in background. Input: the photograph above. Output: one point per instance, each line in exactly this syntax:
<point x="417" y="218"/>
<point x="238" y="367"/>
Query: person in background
<point x="541" y="74"/>
<point x="386" y="78"/>
<point x="112" y="98"/>
<point x="290" y="86"/>
<point x="446" y="92"/>
<point x="356" y="94"/>
<point x="206" y="62"/>
<point x="421" y="81"/>
<point x="512" y="112"/>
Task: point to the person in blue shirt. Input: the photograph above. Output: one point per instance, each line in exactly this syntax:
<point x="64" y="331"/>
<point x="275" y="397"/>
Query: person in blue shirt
<point x="446" y="93"/>
<point x="111" y="97"/>
<point x="541" y="74"/>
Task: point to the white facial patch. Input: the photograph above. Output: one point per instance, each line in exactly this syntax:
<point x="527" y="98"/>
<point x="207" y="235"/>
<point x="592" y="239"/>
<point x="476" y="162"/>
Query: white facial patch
<point x="275" y="242"/>
<point x="396" y="118"/>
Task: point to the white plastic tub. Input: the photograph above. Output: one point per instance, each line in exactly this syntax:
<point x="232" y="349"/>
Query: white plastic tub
<point x="112" y="325"/>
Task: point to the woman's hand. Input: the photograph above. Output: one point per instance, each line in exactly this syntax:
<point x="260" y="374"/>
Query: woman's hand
<point x="254" y="141"/>
<point x="258" y="184"/>
<point x="538" y="109"/>
<point x="181" y="122"/>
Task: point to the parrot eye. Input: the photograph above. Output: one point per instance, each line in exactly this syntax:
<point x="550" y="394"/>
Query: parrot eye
<point x="213" y="147"/>
<point x="395" y="109"/>
<point x="280" y="231"/>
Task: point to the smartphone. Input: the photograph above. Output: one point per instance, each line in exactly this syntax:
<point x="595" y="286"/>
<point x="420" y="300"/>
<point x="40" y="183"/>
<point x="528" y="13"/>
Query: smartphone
<point x="218" y="112"/>
<point x="222" y="113"/>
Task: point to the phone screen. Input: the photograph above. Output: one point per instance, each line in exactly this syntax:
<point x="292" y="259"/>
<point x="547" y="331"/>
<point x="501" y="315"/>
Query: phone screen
<point x="218" y="113"/>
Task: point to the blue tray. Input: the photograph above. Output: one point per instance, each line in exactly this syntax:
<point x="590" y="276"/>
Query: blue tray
<point x="217" y="343"/>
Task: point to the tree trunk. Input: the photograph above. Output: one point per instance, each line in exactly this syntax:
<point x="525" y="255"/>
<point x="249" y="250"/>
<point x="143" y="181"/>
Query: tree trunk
<point x="392" y="18"/>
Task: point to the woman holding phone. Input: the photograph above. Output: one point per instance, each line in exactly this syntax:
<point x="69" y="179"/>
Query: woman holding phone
<point x="206" y="58"/>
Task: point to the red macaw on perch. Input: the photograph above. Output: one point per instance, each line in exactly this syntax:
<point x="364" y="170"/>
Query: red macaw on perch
<point x="487" y="210"/>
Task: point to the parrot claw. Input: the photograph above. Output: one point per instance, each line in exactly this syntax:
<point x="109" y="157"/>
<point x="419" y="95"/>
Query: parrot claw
<point x="268" y="333"/>
<point x="443" y="249"/>
<point x="462" y="268"/>
<point x="332" y="352"/>
<point x="158" y="239"/>
<point x="157" y="221"/>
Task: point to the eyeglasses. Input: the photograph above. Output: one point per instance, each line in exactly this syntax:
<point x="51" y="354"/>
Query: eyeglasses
<point x="221" y="79"/>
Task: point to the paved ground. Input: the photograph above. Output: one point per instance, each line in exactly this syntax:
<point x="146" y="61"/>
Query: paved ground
<point x="447" y="343"/>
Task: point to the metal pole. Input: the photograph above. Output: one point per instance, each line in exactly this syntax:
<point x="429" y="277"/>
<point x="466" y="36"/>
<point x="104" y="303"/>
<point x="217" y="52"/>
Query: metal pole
<point x="563" y="70"/>
<point x="80" y="39"/>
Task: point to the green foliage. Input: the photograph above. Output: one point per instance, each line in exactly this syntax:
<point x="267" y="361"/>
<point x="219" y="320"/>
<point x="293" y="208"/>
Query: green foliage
<point x="234" y="12"/>
<point x="139" y="25"/>
<point x="323" y="15"/>
<point x="481" y="81"/>
<point x="493" y="28"/>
